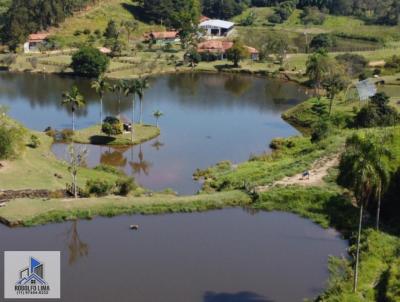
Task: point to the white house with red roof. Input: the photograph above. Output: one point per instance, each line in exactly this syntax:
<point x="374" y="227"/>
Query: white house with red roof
<point x="34" y="41"/>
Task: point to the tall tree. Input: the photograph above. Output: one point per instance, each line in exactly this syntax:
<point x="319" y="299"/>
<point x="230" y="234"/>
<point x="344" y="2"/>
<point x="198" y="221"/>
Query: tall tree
<point x="130" y="27"/>
<point x="237" y="53"/>
<point x="101" y="86"/>
<point x="361" y="170"/>
<point x="319" y="66"/>
<point x="77" y="158"/>
<point x="142" y="85"/>
<point x="131" y="88"/>
<point x="333" y="85"/>
<point x="119" y="89"/>
<point x="74" y="100"/>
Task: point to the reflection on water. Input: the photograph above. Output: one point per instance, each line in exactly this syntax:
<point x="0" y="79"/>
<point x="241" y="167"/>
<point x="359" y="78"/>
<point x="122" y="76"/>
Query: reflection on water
<point x="208" y="118"/>
<point x="76" y="247"/>
<point x="217" y="256"/>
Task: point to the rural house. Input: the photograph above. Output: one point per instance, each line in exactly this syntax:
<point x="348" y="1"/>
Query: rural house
<point x="35" y="41"/>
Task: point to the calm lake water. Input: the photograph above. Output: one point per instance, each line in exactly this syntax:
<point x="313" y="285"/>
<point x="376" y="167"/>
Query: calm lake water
<point x="208" y="118"/>
<point x="220" y="256"/>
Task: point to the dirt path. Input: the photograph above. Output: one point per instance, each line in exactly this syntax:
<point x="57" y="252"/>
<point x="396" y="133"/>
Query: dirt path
<point x="317" y="174"/>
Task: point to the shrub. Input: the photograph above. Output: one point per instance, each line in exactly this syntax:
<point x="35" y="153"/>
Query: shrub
<point x="87" y="31"/>
<point x="354" y="64"/>
<point x="89" y="61"/>
<point x="66" y="135"/>
<point x="321" y="131"/>
<point x="125" y="185"/>
<point x="112" y="126"/>
<point x="35" y="141"/>
<point x="11" y="141"/>
<point x="98" y="187"/>
<point x="377" y="113"/>
<point x="322" y="41"/>
<point x="108" y="169"/>
<point x="393" y="63"/>
<point x="312" y="15"/>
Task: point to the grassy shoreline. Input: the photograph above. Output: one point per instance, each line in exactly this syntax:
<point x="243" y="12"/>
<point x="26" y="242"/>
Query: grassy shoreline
<point x="38" y="211"/>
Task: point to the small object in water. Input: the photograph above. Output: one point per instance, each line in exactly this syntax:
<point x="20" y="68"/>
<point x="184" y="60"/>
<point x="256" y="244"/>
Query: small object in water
<point x="134" y="227"/>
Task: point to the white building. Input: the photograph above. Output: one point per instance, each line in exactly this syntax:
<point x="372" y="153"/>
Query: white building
<point x="217" y="28"/>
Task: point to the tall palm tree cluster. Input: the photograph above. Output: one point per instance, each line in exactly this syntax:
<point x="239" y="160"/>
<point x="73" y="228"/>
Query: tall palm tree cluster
<point x="364" y="170"/>
<point x="74" y="100"/>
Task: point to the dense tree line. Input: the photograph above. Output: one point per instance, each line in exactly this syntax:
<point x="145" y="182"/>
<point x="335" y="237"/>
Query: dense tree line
<point x="170" y="12"/>
<point x="25" y="17"/>
<point x="378" y="12"/>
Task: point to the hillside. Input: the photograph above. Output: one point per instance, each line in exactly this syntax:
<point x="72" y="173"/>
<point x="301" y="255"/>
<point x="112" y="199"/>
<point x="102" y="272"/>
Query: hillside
<point x="96" y="18"/>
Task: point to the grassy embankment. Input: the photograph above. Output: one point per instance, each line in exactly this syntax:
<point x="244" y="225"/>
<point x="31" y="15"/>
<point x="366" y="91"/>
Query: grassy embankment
<point x="57" y="210"/>
<point x="92" y="135"/>
<point x="37" y="169"/>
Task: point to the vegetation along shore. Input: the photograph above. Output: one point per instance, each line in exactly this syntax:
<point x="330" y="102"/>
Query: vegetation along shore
<point x="341" y="171"/>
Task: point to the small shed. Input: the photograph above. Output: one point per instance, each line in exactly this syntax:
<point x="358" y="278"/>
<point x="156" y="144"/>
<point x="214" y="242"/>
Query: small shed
<point x="218" y="28"/>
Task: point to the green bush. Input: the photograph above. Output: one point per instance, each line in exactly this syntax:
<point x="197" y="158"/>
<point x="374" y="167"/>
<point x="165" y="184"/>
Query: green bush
<point x="11" y="141"/>
<point x="125" y="185"/>
<point x="376" y="113"/>
<point x="89" y="61"/>
<point x="312" y="15"/>
<point x="66" y="135"/>
<point x="112" y="126"/>
<point x="393" y="287"/>
<point x="98" y="187"/>
<point x="35" y="141"/>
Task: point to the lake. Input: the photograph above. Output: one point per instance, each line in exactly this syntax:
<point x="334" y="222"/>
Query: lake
<point x="228" y="255"/>
<point x="207" y="118"/>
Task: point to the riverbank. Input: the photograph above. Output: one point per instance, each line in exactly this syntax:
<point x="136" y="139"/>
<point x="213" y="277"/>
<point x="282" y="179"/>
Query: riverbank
<point x="39" y="211"/>
<point x="93" y="135"/>
<point x="38" y="168"/>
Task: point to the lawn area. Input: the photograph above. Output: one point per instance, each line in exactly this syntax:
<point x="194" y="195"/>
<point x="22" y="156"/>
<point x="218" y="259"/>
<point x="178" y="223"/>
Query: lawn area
<point x="93" y="135"/>
<point x="38" y="211"/>
<point x="37" y="169"/>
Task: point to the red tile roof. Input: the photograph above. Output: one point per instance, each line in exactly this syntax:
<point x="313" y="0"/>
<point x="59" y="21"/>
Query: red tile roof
<point x="38" y="37"/>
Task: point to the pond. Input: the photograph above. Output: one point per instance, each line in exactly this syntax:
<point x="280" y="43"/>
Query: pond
<point x="207" y="118"/>
<point x="228" y="255"/>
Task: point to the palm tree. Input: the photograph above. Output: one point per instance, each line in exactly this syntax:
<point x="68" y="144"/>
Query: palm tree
<point x="333" y="85"/>
<point x="101" y="87"/>
<point x="319" y="65"/>
<point x="132" y="88"/>
<point x="143" y="83"/>
<point x="362" y="171"/>
<point x="119" y="89"/>
<point x="74" y="99"/>
<point x="157" y="114"/>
